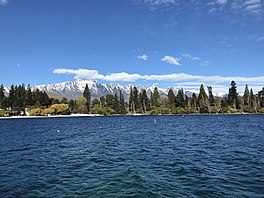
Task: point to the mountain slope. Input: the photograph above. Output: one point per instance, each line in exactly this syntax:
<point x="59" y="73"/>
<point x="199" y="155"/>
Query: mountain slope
<point x="76" y="88"/>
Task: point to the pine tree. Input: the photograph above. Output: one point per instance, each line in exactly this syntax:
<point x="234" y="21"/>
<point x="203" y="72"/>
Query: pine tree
<point x="194" y="102"/>
<point x="11" y="96"/>
<point x="122" y="103"/>
<point x="246" y="96"/>
<point x="135" y="100"/>
<point x="64" y="101"/>
<point x="29" y="96"/>
<point x="109" y="99"/>
<point x="144" y="101"/>
<point x="180" y="101"/>
<point x="151" y="99"/>
<point x="203" y="101"/>
<point x="261" y="97"/>
<point x="87" y="95"/>
<point x="102" y="101"/>
<point x="171" y="98"/>
<point x="116" y="104"/>
<point x="130" y="104"/>
<point x="211" y="96"/>
<point x="232" y="95"/>
<point x="72" y="106"/>
<point x="253" y="101"/>
<point x="2" y="96"/>
<point x="156" y="97"/>
<point x="95" y="102"/>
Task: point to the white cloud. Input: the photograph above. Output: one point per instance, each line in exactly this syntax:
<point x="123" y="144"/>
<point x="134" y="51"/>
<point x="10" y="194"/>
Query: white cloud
<point x="160" y="2"/>
<point x="143" y="57"/>
<point x="174" y="77"/>
<point x="123" y="77"/>
<point x="250" y="2"/>
<point x="239" y="6"/>
<point x="3" y="2"/>
<point x="171" y="60"/>
<point x="195" y="58"/>
<point x="81" y="73"/>
<point x="221" y="2"/>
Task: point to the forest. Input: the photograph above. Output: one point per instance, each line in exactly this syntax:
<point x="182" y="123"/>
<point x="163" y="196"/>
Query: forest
<point x="23" y="100"/>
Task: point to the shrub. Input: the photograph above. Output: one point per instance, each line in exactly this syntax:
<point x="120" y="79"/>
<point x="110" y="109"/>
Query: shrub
<point x="36" y="112"/>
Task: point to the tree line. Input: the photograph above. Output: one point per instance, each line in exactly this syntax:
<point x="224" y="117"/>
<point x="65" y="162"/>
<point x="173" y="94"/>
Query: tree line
<point x="22" y="100"/>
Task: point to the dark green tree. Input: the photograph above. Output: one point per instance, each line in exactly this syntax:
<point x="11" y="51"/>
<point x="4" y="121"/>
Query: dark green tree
<point x="246" y="96"/>
<point x="194" y="101"/>
<point x="95" y="102"/>
<point x="144" y="101"/>
<point x="122" y="103"/>
<point x="253" y="101"/>
<point x="211" y="96"/>
<point x="102" y="101"/>
<point x="180" y="101"/>
<point x="72" y="106"/>
<point x="130" y="101"/>
<point x="2" y="96"/>
<point x="203" y="101"/>
<point x="109" y="99"/>
<point x="171" y="98"/>
<point x="64" y="101"/>
<point x="156" y="97"/>
<point x="233" y="96"/>
<point x="29" y="96"/>
<point x="116" y="104"/>
<point x="87" y="95"/>
<point x="261" y="97"/>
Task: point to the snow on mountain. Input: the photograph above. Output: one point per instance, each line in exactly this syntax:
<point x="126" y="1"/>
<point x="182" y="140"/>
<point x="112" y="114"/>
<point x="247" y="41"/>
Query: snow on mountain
<point x="76" y="88"/>
<point x="72" y="90"/>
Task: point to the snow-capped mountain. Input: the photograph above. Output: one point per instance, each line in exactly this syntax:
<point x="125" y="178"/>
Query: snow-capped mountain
<point x="76" y="88"/>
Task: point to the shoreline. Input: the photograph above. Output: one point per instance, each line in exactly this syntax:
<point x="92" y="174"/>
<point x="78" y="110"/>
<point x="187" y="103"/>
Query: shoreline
<point x="99" y="115"/>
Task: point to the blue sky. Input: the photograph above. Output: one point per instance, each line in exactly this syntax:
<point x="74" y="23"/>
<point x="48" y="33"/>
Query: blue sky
<point x="165" y="42"/>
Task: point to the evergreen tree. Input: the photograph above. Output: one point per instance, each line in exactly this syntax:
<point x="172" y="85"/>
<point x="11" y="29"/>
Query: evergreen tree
<point x="180" y="101"/>
<point x="211" y="97"/>
<point x="29" y="96"/>
<point x="151" y="99"/>
<point x="87" y="95"/>
<point x="72" y="106"/>
<point x="253" y="101"/>
<point x="109" y="99"/>
<point x="233" y="96"/>
<point x="131" y="100"/>
<point x="136" y="99"/>
<point x="156" y="97"/>
<point x="203" y="101"/>
<point x="2" y="96"/>
<point x="194" y="102"/>
<point x="116" y="104"/>
<point x="122" y="103"/>
<point x="261" y="97"/>
<point x="95" y="102"/>
<point x="144" y="101"/>
<point x="64" y="101"/>
<point x="102" y="101"/>
<point x="246" y="96"/>
<point x="171" y="98"/>
<point x="11" y="96"/>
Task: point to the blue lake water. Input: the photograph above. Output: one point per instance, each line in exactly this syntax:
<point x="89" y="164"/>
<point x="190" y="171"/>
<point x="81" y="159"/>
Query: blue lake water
<point x="190" y="156"/>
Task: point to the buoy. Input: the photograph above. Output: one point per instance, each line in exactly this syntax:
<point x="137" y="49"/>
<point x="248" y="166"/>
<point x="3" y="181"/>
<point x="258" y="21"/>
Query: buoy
<point x="58" y="131"/>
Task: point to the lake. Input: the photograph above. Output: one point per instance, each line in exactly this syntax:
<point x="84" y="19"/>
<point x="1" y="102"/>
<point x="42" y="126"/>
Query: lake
<point x="133" y="156"/>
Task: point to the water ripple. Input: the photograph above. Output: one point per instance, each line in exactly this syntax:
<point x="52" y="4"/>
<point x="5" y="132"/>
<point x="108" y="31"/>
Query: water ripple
<point x="191" y="156"/>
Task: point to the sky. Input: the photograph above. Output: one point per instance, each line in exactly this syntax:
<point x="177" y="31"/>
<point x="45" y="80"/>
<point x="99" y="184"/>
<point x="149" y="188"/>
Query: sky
<point x="167" y="43"/>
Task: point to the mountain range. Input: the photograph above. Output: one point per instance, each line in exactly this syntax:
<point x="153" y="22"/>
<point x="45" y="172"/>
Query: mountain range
<point x="72" y="90"/>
